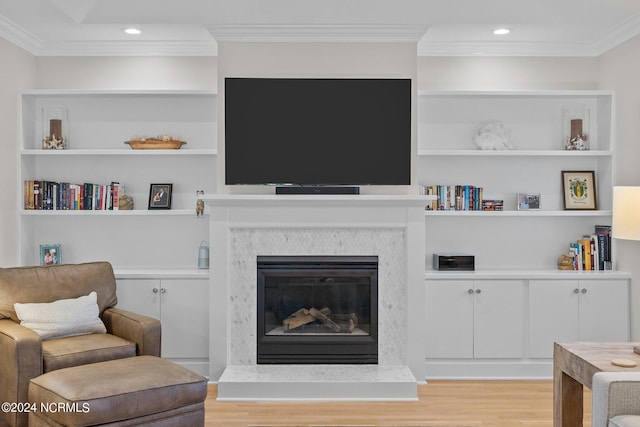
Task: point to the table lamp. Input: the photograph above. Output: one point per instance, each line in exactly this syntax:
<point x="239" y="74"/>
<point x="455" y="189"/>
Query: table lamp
<point x="626" y="213"/>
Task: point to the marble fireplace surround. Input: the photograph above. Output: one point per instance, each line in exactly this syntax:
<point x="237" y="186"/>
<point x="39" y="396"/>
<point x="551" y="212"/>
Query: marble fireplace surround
<point x="243" y="227"/>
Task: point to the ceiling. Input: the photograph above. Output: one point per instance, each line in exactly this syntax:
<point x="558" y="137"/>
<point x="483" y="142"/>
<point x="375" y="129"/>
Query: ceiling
<point x="440" y="27"/>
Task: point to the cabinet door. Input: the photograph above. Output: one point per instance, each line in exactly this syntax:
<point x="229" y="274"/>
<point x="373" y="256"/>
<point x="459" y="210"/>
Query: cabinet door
<point x="449" y="314"/>
<point x="604" y="310"/>
<point x="553" y="315"/>
<point x="185" y="318"/>
<point x="498" y="318"/>
<point x="140" y="296"/>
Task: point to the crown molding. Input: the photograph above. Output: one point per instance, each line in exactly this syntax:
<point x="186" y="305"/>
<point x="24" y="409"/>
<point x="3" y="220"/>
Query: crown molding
<point x="18" y="36"/>
<point x="619" y="35"/>
<point x="314" y="33"/>
<point x="317" y="33"/>
<point x="426" y="48"/>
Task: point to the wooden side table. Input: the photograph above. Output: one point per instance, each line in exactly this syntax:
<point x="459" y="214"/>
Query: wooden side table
<point x="573" y="367"/>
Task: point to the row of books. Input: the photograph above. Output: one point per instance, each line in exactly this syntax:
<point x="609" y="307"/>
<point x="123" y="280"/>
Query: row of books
<point x="458" y="198"/>
<point x="593" y="251"/>
<point x="51" y="195"/>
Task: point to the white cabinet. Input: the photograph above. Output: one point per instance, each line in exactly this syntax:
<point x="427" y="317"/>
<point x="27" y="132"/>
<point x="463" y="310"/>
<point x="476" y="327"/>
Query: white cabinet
<point x="502" y="324"/>
<point x="99" y="122"/>
<point x="182" y="306"/>
<point x="576" y="310"/>
<point x="512" y="239"/>
<point x="474" y="319"/>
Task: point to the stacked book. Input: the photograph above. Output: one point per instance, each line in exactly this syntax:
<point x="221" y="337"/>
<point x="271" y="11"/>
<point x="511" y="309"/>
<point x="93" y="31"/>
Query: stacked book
<point x="492" y="205"/>
<point x="50" y="195"/>
<point x="454" y="197"/>
<point x="593" y="251"/>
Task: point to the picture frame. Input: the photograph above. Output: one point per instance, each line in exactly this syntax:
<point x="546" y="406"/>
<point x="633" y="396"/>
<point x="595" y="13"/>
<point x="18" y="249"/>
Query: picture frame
<point x="579" y="190"/>
<point x="528" y="201"/>
<point x="160" y="196"/>
<point x="50" y="254"/>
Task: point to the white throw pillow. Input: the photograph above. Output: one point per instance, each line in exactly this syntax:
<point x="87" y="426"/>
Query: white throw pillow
<point x="62" y="318"/>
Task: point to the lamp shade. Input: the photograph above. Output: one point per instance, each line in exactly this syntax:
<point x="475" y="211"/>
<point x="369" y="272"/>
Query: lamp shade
<point x="626" y="213"/>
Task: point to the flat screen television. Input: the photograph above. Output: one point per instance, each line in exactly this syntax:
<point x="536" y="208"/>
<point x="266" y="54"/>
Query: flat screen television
<point x="317" y="131"/>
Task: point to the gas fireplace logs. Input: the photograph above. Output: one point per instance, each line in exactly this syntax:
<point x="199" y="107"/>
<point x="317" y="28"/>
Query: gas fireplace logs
<point x="335" y="322"/>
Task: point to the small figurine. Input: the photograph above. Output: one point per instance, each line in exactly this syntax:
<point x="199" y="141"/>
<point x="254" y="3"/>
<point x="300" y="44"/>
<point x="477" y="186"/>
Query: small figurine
<point x="199" y="204"/>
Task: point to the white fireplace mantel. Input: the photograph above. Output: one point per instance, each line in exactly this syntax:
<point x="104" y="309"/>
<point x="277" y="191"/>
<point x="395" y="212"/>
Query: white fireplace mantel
<point x="245" y="226"/>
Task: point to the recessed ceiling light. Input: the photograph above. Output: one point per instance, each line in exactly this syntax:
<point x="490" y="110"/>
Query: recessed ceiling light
<point x="132" y="31"/>
<point x="501" y="31"/>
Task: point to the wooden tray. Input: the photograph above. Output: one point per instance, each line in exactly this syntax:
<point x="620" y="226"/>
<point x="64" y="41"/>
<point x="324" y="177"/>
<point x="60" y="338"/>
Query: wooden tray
<point x="150" y="144"/>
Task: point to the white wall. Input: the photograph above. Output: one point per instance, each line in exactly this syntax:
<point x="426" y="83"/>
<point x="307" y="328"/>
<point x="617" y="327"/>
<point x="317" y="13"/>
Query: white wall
<point x="374" y="60"/>
<point x="17" y="73"/>
<point x="620" y="69"/>
<point x="506" y="73"/>
<point x="127" y="73"/>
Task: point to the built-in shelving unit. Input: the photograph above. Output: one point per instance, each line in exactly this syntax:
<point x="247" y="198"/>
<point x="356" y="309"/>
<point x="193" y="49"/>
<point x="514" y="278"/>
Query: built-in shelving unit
<point x="512" y="239"/>
<point x="500" y="321"/>
<point x="99" y="122"/>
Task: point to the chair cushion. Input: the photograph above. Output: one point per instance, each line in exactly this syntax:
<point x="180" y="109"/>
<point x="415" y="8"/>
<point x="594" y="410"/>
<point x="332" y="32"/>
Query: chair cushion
<point x="118" y="390"/>
<point x="62" y="318"/>
<point x="625" y="421"/>
<point x="83" y="349"/>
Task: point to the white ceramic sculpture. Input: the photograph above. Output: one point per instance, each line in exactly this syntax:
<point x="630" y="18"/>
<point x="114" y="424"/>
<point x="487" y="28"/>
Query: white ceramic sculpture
<point x="493" y="136"/>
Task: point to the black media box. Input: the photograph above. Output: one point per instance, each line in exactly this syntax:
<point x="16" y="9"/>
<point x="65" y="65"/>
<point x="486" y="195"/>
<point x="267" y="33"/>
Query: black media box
<point x="453" y="262"/>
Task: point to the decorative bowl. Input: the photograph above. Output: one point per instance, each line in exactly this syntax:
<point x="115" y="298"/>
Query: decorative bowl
<point x="154" y="144"/>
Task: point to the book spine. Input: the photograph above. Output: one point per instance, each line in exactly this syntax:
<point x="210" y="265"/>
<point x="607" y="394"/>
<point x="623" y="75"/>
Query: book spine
<point x="37" y="195"/>
<point x="586" y="253"/>
<point x="116" y="195"/>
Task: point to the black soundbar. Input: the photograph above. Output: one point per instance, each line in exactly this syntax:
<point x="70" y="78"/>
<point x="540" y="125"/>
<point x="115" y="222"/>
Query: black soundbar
<point x="316" y="189"/>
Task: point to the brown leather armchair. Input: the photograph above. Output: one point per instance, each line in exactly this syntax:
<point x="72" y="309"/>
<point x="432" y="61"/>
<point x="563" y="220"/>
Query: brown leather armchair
<point x="24" y="355"/>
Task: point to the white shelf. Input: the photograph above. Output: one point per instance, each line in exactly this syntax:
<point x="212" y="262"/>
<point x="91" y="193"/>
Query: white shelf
<point x="515" y="153"/>
<point x="99" y="122"/>
<point x="152" y="273"/>
<point x="529" y="213"/>
<point x="516" y="239"/>
<point x="120" y="152"/>
<point x="89" y="213"/>
<point x="517" y="93"/>
<point x="550" y="274"/>
<point x="119" y="93"/>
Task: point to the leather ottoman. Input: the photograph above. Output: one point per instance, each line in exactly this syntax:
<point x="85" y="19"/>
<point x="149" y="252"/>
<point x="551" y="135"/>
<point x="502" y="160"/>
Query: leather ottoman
<point x="141" y="391"/>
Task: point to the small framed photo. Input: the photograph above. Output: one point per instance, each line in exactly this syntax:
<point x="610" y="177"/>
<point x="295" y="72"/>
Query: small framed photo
<point x="579" y="190"/>
<point x="50" y="254"/>
<point x="528" y="201"/>
<point x="160" y="196"/>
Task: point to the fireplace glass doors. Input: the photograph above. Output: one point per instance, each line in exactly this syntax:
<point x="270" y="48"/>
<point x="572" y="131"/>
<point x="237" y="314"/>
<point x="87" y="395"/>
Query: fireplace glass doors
<point x="317" y="309"/>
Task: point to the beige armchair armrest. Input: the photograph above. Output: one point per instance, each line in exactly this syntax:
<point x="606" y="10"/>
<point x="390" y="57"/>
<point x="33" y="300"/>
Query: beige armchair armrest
<point x="143" y="330"/>
<point x="614" y="393"/>
<point x="21" y="356"/>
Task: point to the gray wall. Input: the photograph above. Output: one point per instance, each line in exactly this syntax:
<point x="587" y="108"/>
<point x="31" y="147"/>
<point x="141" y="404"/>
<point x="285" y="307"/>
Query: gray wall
<point x="17" y="73"/>
<point x="619" y="71"/>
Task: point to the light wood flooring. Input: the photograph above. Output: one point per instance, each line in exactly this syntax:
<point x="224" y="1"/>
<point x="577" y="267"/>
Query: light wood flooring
<point x="440" y="404"/>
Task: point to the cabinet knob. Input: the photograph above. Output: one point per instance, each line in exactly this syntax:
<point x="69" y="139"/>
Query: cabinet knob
<point x="155" y="290"/>
<point x="470" y="291"/>
<point x="584" y="291"/>
<point x="163" y="290"/>
<point x="576" y="290"/>
<point x="478" y="291"/>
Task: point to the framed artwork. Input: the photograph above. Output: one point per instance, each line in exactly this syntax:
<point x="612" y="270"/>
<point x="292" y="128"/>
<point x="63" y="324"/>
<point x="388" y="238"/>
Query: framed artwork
<point x="579" y="190"/>
<point x="528" y="201"/>
<point x="160" y="196"/>
<point x="50" y="254"/>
